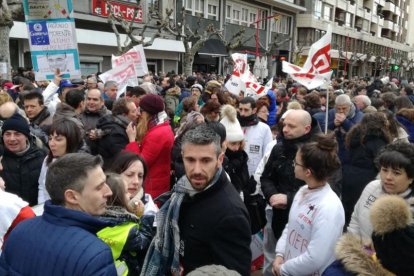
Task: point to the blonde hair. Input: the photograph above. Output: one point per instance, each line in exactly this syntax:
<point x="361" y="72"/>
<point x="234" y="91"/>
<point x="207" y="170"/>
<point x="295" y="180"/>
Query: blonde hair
<point x="294" y="105"/>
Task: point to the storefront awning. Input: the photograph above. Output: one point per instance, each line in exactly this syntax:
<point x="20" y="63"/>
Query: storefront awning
<point x="214" y="48"/>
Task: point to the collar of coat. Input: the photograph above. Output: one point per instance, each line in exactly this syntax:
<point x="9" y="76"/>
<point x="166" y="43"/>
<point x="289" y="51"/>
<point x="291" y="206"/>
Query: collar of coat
<point x="350" y="251"/>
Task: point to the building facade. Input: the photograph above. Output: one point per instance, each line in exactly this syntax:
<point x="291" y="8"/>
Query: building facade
<point x="263" y="21"/>
<point x="369" y="36"/>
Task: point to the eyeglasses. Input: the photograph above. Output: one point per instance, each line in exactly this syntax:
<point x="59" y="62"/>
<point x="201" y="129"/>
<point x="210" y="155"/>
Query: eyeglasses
<point x="297" y="164"/>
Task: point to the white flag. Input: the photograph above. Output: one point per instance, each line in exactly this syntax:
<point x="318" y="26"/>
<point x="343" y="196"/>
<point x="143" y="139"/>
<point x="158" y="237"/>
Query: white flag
<point x="317" y="68"/>
<point x="137" y="56"/>
<point x="124" y="75"/>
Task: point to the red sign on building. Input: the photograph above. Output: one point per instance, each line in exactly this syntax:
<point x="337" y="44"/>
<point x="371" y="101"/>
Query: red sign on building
<point x="124" y="10"/>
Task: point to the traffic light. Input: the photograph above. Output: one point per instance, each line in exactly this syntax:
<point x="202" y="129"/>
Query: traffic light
<point x="394" y="67"/>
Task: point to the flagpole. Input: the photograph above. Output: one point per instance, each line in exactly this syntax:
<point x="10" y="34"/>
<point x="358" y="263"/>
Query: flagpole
<point x="326" y="111"/>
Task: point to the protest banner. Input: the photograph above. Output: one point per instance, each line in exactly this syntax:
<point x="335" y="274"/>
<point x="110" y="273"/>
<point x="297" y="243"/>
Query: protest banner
<point x="135" y="55"/>
<point x="123" y="74"/>
<point x="52" y="38"/>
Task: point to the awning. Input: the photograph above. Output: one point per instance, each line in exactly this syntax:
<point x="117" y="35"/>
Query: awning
<point x="214" y="48"/>
<point x="91" y="37"/>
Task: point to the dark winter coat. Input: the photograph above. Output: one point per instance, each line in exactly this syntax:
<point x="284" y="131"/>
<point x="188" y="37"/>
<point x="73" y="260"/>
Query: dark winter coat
<point x="215" y="229"/>
<point x="114" y="137"/>
<point x="60" y="242"/>
<point x="279" y="176"/>
<point x="90" y="119"/>
<point x="139" y="236"/>
<point x="361" y="168"/>
<point x="43" y="120"/>
<point x="21" y="173"/>
<point x="340" y="131"/>
<point x="236" y="168"/>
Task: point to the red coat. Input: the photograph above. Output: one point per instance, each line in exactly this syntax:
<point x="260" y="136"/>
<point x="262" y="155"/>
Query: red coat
<point x="156" y="148"/>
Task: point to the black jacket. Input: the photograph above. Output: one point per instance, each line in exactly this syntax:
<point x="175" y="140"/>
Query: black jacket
<point x="215" y="229"/>
<point x="114" y="137"/>
<point x="21" y="173"/>
<point x="279" y="176"/>
<point x="361" y="168"/>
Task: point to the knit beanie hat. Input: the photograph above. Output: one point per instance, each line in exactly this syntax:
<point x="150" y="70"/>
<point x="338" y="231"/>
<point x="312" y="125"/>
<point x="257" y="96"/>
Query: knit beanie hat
<point x="153" y="104"/>
<point x="16" y="123"/>
<point x="393" y="234"/>
<point x="234" y="131"/>
<point x="198" y="86"/>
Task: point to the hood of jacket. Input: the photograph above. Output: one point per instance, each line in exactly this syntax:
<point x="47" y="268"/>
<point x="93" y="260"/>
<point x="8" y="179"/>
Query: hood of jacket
<point x="350" y="251"/>
<point x="64" y="110"/>
<point x="174" y="91"/>
<point x="118" y="215"/>
<point x="355" y="138"/>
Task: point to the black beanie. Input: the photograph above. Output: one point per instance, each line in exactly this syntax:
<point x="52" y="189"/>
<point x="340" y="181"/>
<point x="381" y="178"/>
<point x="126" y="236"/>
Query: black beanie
<point x="393" y="234"/>
<point x="16" y="123"/>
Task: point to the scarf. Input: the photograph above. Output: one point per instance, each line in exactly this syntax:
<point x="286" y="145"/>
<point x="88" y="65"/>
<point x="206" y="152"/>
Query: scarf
<point x="248" y="121"/>
<point x="158" y="119"/>
<point x="163" y="253"/>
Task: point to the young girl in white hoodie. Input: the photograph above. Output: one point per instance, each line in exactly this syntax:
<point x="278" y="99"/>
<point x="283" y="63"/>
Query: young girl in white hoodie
<point x="316" y="218"/>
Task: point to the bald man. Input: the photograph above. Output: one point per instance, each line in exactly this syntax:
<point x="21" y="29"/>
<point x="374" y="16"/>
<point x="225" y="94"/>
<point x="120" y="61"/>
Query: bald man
<point x="278" y="181"/>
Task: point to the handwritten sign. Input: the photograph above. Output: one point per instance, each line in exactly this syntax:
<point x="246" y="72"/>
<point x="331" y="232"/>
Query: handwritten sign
<point x="124" y="75"/>
<point x="52" y="38"/>
<point x="137" y="56"/>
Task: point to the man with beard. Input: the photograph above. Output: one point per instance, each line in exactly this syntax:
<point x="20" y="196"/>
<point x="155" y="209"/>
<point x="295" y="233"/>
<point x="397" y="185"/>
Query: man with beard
<point x="257" y="134"/>
<point x="205" y="221"/>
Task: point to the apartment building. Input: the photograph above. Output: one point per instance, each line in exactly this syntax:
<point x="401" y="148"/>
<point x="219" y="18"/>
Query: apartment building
<point x="370" y="37"/>
<point x="264" y="21"/>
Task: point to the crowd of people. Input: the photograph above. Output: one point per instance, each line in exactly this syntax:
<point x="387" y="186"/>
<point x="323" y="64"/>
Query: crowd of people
<point x="178" y="175"/>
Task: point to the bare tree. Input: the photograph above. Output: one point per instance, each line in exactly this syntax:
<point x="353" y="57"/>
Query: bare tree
<point x="135" y="35"/>
<point x="270" y="50"/>
<point x="8" y="10"/>
<point x="194" y="38"/>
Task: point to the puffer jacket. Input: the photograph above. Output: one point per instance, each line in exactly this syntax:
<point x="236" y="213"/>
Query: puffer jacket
<point x="21" y="173"/>
<point x="114" y="137"/>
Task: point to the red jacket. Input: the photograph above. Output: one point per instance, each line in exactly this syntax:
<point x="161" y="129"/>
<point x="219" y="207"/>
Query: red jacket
<point x="156" y="148"/>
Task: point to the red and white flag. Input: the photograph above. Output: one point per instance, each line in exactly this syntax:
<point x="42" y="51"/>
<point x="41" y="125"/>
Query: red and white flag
<point x="317" y="68"/>
<point x="243" y="80"/>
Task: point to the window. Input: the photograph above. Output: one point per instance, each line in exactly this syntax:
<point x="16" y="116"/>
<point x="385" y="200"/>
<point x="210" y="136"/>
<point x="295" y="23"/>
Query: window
<point x="318" y="9"/>
<point x="189" y="5"/>
<point x="252" y="20"/>
<point x="236" y="16"/>
<point x="327" y="12"/>
<point x="245" y="16"/>
<point x="212" y="11"/>
<point x="199" y="6"/>
<point x="207" y="8"/>
<point x="228" y="14"/>
<point x="348" y="20"/>
<point x="263" y="15"/>
<point x="281" y="24"/>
